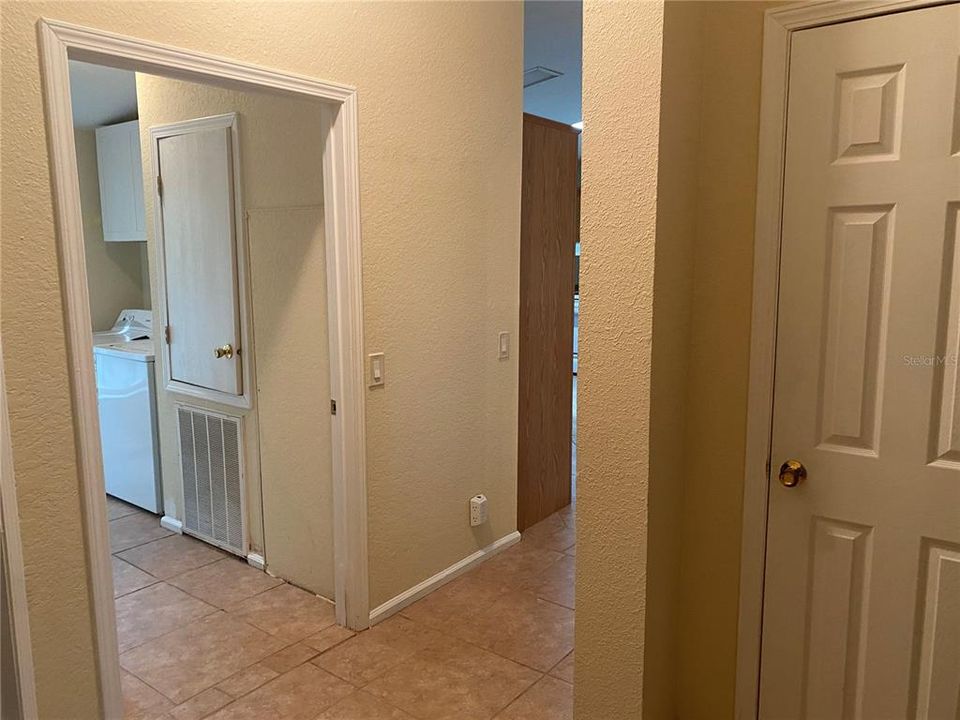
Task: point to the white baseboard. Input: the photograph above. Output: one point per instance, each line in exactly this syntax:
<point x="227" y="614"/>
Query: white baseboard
<point x="171" y="524"/>
<point x="256" y="560"/>
<point x="408" y="597"/>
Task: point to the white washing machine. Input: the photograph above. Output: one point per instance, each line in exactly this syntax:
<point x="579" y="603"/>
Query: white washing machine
<point x="126" y="397"/>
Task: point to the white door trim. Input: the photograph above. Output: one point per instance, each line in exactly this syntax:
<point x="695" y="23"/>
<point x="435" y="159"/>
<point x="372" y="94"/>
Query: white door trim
<point x="779" y="25"/>
<point x="62" y="41"/>
<point x="10" y="526"/>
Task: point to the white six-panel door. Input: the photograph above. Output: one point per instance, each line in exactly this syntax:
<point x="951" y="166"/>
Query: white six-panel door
<point x="200" y="259"/>
<point x="862" y="584"/>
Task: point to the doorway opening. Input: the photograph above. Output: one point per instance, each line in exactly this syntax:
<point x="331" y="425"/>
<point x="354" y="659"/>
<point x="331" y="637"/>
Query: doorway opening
<point x="202" y="203"/>
<point x="550" y="299"/>
<point x="203" y="219"/>
<point x="549" y="260"/>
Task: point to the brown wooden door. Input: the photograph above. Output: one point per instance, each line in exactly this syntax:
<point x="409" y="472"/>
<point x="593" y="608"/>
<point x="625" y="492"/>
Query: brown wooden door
<point x="549" y="226"/>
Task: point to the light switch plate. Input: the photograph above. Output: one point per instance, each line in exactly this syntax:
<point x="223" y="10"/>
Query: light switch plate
<point x="376" y="369"/>
<point x="503" y="346"/>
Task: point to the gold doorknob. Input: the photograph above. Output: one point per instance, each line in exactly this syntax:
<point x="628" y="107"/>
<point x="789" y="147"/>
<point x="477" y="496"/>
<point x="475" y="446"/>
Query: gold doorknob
<point x="792" y="473"/>
<point x="224" y="351"/>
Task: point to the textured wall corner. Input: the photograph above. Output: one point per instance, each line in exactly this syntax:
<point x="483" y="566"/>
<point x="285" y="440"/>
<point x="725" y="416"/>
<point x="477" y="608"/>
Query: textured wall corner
<point x="671" y="104"/>
<point x="716" y="406"/>
<point x="677" y="198"/>
<point x="622" y="45"/>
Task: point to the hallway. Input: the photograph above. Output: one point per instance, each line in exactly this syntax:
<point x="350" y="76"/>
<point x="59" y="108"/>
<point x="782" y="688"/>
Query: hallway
<point x="202" y="634"/>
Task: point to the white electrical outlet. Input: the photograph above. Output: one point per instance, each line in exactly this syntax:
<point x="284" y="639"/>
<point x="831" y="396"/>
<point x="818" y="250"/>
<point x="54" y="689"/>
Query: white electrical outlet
<point x="478" y="510"/>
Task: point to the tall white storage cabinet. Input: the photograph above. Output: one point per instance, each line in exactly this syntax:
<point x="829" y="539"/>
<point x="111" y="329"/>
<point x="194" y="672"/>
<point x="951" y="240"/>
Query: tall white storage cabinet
<point x="121" y="182"/>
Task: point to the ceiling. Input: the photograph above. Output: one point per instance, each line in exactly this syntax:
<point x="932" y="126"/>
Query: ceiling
<point x="101" y="95"/>
<point x="552" y="38"/>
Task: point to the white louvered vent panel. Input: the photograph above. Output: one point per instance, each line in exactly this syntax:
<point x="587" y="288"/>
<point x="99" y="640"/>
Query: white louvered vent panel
<point x="188" y="466"/>
<point x="233" y="483"/>
<point x="212" y="477"/>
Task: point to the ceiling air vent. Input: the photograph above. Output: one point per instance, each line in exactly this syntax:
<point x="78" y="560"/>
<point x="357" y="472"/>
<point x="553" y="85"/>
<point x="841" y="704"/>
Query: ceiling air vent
<point x="538" y="74"/>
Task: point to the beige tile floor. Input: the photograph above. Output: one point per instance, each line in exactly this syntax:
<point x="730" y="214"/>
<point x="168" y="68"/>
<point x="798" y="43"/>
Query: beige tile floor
<point x="203" y="635"/>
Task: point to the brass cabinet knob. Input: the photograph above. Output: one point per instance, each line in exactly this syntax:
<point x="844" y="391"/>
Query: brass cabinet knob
<point x="224" y="351"/>
<point x="792" y="473"/>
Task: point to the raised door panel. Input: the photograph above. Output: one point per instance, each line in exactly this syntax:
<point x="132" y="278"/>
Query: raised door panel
<point x="869" y="114"/>
<point x="841" y="554"/>
<point x="938" y="660"/>
<point x="946" y="441"/>
<point x="857" y="288"/>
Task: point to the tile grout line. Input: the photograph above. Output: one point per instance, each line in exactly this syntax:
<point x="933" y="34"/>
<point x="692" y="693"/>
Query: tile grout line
<point x="456" y="638"/>
<point x="132" y="510"/>
<point x="560" y="662"/>
<point x="145" y="542"/>
<point x="202" y="565"/>
<point x="133" y="674"/>
<point x="517" y="699"/>
<point x="555" y="603"/>
<point x="229" y="610"/>
<point x="214" y="611"/>
<point x="518" y="696"/>
<point x="131" y="592"/>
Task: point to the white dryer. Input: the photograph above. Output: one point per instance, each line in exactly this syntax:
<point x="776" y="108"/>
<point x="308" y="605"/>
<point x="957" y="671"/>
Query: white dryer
<point x="127" y="401"/>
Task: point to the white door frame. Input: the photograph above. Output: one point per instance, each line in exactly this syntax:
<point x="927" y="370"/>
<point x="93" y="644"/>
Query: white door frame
<point x="17" y="580"/>
<point x="339" y="131"/>
<point x="779" y="26"/>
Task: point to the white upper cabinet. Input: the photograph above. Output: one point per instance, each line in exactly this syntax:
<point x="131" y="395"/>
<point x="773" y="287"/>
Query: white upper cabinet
<point x="121" y="182"/>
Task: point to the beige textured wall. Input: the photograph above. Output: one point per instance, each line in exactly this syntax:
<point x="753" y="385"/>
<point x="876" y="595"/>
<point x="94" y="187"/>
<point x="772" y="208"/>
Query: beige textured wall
<point x="675" y="250"/>
<point x="440" y="113"/>
<point x="293" y="388"/>
<point x="719" y="357"/>
<point x="622" y="45"/>
<point x="667" y="269"/>
<point x="115" y="270"/>
<point x="287" y="433"/>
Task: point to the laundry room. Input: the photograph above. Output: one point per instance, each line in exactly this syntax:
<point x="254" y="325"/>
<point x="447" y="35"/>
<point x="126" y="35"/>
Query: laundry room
<point x="202" y="210"/>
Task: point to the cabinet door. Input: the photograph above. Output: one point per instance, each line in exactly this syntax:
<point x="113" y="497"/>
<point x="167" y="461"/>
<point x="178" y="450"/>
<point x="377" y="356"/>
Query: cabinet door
<point x="200" y="259"/>
<point x="121" y="182"/>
